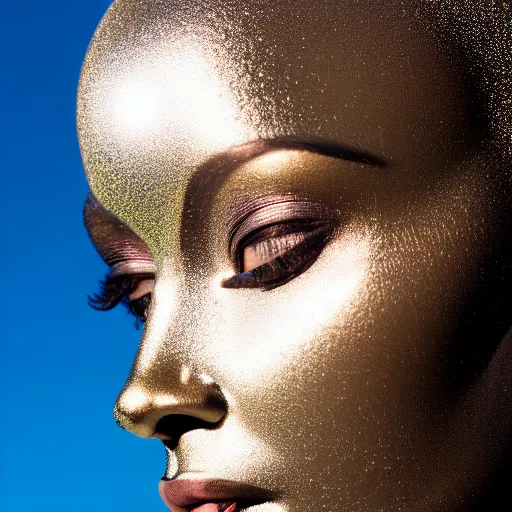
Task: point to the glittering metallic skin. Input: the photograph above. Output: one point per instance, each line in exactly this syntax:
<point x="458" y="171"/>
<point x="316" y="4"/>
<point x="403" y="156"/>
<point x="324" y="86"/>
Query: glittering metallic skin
<point x="380" y="378"/>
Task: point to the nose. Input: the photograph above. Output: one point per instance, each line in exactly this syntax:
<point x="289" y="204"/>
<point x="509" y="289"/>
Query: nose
<point x="147" y="409"/>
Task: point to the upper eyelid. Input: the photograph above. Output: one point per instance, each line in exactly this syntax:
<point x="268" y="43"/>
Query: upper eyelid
<point x="132" y="268"/>
<point x="116" y="243"/>
<point x="280" y="212"/>
<point x="272" y="247"/>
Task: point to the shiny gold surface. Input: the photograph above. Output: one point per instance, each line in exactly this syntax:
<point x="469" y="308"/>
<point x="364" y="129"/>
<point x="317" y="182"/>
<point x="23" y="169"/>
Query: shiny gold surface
<point x="379" y="378"/>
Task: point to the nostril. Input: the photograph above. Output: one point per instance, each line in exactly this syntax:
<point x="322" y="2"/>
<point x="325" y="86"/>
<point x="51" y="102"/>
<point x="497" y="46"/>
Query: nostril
<point x="153" y="407"/>
<point x="170" y="428"/>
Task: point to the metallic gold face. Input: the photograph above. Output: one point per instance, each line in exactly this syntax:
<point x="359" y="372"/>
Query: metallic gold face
<point x="308" y="204"/>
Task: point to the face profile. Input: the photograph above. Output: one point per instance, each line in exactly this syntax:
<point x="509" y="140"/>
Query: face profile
<point x="307" y="207"/>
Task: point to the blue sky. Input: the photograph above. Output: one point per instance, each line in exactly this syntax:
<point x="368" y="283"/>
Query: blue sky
<point x="61" y="364"/>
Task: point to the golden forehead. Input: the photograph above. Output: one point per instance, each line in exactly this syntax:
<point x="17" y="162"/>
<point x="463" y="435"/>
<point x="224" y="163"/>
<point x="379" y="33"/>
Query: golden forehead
<point x="168" y="84"/>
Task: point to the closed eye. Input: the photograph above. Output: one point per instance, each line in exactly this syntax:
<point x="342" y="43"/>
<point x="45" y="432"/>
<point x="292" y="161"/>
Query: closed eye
<point x="133" y="291"/>
<point x="273" y="256"/>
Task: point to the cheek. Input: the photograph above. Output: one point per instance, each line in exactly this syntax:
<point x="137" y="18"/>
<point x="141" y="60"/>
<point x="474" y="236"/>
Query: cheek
<point x="355" y="350"/>
<point x="271" y="331"/>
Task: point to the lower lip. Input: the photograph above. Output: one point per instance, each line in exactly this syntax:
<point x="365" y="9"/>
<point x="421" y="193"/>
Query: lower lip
<point x="213" y="507"/>
<point x="189" y="494"/>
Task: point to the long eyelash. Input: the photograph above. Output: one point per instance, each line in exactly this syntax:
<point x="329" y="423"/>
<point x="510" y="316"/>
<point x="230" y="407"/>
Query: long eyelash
<point x="112" y="291"/>
<point x="138" y="308"/>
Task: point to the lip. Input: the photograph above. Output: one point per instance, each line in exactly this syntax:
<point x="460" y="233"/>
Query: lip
<point x="184" y="491"/>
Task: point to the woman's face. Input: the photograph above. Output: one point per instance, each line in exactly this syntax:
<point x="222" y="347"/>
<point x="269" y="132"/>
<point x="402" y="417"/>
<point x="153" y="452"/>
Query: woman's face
<point x="310" y="185"/>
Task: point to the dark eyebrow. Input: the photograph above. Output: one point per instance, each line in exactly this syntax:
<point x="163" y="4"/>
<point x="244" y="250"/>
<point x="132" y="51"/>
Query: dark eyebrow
<point x="326" y="148"/>
<point x="239" y="155"/>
